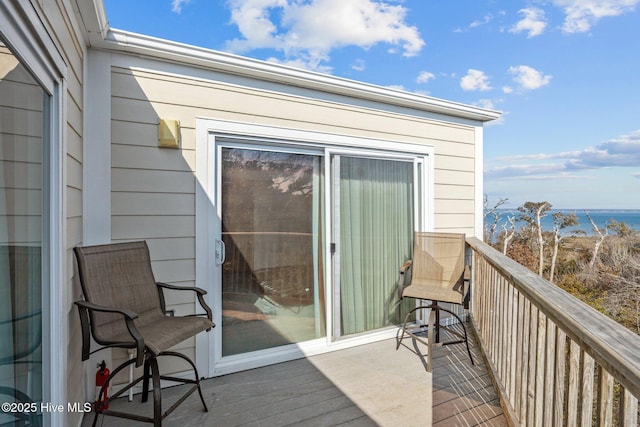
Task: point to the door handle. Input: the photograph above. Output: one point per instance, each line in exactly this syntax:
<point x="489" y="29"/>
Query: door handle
<point x="221" y="252"/>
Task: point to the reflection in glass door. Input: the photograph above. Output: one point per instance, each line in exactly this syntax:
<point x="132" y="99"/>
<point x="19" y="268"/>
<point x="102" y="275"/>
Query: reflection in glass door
<point x="272" y="284"/>
<point x="22" y="102"/>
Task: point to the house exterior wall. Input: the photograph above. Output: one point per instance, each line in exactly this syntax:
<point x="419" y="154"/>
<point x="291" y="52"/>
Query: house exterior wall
<point x="153" y="189"/>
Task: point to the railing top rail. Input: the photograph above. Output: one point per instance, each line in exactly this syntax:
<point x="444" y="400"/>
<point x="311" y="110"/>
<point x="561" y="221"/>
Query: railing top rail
<point x="614" y="347"/>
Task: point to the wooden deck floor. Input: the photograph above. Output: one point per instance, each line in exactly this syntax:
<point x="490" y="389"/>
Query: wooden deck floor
<point x="370" y="385"/>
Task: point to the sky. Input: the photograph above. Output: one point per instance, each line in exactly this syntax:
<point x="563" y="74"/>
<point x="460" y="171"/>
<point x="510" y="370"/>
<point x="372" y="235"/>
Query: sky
<point x="564" y="73"/>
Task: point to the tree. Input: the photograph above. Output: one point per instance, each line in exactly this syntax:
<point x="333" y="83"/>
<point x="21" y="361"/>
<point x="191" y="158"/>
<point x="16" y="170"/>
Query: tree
<point x="560" y="222"/>
<point x="532" y="213"/>
<point x="621" y="228"/>
<point x="509" y="234"/>
<point x="598" y="242"/>
<point x="490" y="227"/>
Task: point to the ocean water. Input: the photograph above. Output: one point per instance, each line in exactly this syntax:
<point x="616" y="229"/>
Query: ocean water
<point x="631" y="217"/>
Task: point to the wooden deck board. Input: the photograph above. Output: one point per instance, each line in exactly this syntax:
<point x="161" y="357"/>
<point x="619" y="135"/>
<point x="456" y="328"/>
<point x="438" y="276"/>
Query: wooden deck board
<point x="370" y="385"/>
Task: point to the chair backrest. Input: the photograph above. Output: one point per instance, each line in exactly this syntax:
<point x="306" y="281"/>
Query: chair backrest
<point x="117" y="275"/>
<point x="438" y="257"/>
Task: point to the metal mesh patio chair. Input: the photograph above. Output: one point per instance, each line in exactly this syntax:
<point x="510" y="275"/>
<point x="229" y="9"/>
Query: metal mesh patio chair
<point x="436" y="273"/>
<point x="125" y="307"/>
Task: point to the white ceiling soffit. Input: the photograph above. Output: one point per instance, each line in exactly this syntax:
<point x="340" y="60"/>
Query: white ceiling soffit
<point x="220" y="61"/>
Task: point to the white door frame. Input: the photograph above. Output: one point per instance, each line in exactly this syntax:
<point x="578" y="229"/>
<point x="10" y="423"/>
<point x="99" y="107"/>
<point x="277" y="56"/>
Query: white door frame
<point x="209" y="359"/>
<point x="26" y="36"/>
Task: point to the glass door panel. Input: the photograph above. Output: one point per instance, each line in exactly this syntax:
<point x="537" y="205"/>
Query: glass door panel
<point x="272" y="284"/>
<point x="374" y="217"/>
<point x="22" y="103"/>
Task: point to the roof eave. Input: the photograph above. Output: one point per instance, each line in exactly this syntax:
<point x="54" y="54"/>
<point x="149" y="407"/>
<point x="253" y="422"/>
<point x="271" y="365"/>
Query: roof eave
<point x="120" y="40"/>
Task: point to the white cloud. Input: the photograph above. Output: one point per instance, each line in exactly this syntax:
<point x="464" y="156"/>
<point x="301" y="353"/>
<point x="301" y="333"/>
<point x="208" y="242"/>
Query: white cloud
<point x="484" y="21"/>
<point x="529" y="78"/>
<point x="507" y="89"/>
<point x="486" y="103"/>
<point x="636" y="175"/>
<point x="533" y="22"/>
<point x="310" y="29"/>
<point x="176" y="5"/>
<point x="620" y="152"/>
<point x="425" y="76"/>
<point x="581" y="15"/>
<point x="359" y="65"/>
<point x="475" y="80"/>
<point x="305" y="62"/>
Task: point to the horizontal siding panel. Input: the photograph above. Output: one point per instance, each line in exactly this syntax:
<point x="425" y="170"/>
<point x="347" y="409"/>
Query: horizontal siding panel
<point x="134" y="133"/>
<point x="452" y="220"/>
<point x="134" y="111"/>
<point x="74" y="116"/>
<point x="170" y="249"/>
<point x="152" y="204"/>
<point x="144" y="180"/>
<point x="455" y="163"/>
<point x="455" y="149"/>
<point x="132" y="157"/>
<point x="456" y="192"/>
<point x="453" y="177"/>
<point x="74" y="232"/>
<point x="74" y="145"/>
<point x="74" y="202"/>
<point x="74" y="173"/>
<point x="181" y="270"/>
<point x="149" y="227"/>
<point x="454" y="206"/>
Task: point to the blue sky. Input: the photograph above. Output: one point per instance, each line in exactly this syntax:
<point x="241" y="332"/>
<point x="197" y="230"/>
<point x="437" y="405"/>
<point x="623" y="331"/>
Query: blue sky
<point x="565" y="73"/>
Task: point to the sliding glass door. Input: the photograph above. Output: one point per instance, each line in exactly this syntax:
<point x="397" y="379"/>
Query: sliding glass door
<point x="272" y="275"/>
<point x="375" y="205"/>
<point x="303" y="239"/>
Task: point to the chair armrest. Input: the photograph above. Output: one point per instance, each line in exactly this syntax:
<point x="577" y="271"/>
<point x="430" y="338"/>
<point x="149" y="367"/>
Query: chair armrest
<point x="181" y="288"/>
<point x="129" y="315"/>
<point x="200" y="293"/>
<point x="405" y="266"/>
<point x="404" y="278"/>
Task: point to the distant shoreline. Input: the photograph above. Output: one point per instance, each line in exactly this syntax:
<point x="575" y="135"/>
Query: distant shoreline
<point x="631" y="217"/>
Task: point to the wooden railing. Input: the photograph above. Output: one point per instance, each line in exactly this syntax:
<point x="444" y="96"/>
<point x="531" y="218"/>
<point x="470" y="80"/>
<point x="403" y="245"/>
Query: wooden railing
<point x="555" y="360"/>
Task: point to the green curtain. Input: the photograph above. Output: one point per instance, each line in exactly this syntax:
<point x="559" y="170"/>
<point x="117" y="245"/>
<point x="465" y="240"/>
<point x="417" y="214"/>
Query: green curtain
<point x="376" y="234"/>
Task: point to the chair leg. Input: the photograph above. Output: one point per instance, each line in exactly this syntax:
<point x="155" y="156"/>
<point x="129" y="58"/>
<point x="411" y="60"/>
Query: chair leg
<point x="195" y="371"/>
<point x="436" y="308"/>
<point x="464" y="329"/>
<point x="433" y="318"/>
<point x="157" y="393"/>
<point x="433" y="328"/>
<point x="145" y="381"/>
